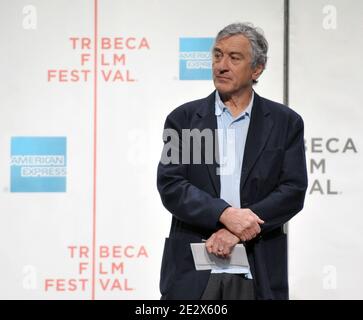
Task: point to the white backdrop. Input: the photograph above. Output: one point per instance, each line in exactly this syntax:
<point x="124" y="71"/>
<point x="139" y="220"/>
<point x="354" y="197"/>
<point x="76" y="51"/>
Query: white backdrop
<point x="326" y="241"/>
<point x="41" y="232"/>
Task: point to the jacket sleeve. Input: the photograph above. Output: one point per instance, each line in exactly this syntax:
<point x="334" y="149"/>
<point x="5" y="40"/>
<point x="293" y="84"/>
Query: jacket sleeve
<point x="287" y="198"/>
<point x="184" y="200"/>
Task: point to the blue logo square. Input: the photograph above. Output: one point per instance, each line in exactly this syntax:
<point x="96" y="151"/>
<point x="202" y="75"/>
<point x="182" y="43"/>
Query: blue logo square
<point x="38" y="164"/>
<point x="195" y="58"/>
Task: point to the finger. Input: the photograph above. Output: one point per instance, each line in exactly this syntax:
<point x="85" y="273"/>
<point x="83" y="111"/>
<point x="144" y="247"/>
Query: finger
<point x="220" y="254"/>
<point x="249" y="237"/>
<point x="259" y="220"/>
<point x="227" y="252"/>
<point x="249" y="234"/>
<point x="252" y="235"/>
<point x="257" y="229"/>
<point x="243" y="237"/>
<point x="224" y="252"/>
<point x="208" y="245"/>
<point x="217" y="248"/>
<point x="222" y="248"/>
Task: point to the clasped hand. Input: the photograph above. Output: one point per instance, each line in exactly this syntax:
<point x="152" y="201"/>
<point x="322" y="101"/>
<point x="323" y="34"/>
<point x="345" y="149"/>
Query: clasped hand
<point x="240" y="224"/>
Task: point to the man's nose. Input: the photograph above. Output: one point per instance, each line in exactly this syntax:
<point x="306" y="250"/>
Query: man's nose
<point x="223" y="64"/>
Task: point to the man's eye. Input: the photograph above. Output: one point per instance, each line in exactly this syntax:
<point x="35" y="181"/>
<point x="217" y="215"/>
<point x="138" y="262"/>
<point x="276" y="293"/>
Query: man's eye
<point x="235" y="58"/>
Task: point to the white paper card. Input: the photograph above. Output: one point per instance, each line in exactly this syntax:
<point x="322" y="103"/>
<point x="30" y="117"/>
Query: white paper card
<point x="206" y="261"/>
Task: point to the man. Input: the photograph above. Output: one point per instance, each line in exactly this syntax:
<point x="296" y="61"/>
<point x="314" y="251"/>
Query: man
<point x="244" y="196"/>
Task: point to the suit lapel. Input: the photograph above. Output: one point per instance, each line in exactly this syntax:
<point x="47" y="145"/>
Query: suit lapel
<point x="208" y="120"/>
<point x="258" y="133"/>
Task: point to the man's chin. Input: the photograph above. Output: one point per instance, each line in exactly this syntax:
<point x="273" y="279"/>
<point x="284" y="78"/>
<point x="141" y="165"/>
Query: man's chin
<point x="224" y="90"/>
<point x="228" y="91"/>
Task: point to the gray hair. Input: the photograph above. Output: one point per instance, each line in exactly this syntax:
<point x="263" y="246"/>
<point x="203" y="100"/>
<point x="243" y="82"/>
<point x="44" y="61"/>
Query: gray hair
<point x="256" y="37"/>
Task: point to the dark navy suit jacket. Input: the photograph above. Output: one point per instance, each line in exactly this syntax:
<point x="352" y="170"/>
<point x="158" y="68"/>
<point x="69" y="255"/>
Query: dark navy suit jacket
<point x="273" y="185"/>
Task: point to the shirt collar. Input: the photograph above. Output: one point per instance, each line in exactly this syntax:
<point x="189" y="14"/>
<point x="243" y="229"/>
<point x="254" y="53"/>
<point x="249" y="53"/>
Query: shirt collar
<point x="220" y="107"/>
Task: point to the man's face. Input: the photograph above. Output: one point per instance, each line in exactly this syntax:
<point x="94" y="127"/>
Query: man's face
<point x="232" y="71"/>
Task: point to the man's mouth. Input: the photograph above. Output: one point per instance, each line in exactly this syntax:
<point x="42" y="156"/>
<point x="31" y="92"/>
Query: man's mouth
<point x="223" y="78"/>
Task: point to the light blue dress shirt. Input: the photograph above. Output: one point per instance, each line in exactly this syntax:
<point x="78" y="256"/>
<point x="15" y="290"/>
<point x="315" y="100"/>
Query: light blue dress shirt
<point x="232" y="135"/>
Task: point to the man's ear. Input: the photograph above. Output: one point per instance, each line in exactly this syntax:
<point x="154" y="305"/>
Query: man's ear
<point x="257" y="72"/>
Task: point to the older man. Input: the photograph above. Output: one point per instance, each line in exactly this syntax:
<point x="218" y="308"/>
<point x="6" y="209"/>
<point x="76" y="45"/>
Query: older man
<point x="244" y="196"/>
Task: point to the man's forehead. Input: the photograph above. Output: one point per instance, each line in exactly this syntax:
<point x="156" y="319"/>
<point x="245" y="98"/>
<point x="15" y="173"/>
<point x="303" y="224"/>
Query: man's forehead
<point x="235" y="42"/>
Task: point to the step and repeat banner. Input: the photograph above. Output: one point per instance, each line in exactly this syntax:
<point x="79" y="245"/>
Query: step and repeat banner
<point x="85" y="89"/>
<point x="325" y="240"/>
